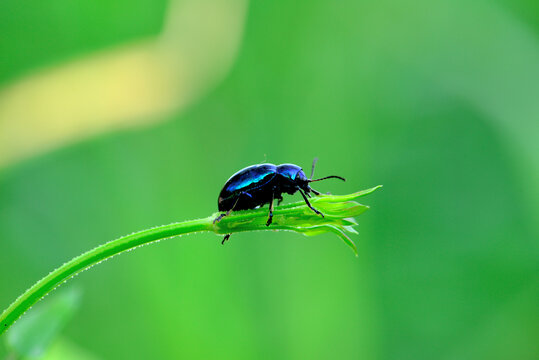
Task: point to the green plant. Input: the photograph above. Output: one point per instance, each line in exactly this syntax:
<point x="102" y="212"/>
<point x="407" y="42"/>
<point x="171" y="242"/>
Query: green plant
<point x="339" y="212"/>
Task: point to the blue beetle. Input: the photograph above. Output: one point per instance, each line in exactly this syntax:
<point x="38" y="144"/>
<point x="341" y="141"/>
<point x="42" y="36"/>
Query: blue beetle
<point x="261" y="184"/>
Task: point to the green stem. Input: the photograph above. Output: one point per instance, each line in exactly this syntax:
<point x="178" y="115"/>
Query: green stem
<point x="92" y="257"/>
<point x="339" y="211"/>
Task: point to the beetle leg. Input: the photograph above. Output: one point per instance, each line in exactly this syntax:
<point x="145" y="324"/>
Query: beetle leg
<point x="309" y="204"/>
<point x="270" y="217"/>
<point x="227" y="236"/>
<point x="218" y="218"/>
<point x="315" y="192"/>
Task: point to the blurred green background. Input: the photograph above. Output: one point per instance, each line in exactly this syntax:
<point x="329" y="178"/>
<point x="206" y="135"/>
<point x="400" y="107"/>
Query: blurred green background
<point x="438" y="101"/>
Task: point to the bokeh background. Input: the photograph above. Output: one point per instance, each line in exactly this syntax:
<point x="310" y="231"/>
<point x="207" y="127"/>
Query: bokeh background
<point x="121" y="115"/>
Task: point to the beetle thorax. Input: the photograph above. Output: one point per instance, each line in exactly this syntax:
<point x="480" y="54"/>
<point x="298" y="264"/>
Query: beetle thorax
<point x="291" y="177"/>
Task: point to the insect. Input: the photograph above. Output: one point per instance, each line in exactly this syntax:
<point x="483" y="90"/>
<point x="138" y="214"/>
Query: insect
<point x="257" y="185"/>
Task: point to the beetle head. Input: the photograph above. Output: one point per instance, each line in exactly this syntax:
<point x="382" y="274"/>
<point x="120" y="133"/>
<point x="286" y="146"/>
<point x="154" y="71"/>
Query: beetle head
<point x="298" y="179"/>
<point x="306" y="186"/>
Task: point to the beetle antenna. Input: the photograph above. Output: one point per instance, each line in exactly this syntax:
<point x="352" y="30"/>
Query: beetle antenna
<point x="329" y="177"/>
<point x="312" y="169"/>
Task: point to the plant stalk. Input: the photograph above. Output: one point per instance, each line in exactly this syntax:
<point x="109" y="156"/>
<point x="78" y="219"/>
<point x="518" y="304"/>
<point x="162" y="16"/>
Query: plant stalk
<point x="93" y="257"/>
<point x="338" y="210"/>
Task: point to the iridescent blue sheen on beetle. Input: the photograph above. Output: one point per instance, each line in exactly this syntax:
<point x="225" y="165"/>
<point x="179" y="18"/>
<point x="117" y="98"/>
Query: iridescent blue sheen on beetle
<point x="261" y="184"/>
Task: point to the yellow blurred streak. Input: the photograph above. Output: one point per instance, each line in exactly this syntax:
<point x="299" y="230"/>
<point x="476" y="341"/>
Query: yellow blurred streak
<point x="127" y="86"/>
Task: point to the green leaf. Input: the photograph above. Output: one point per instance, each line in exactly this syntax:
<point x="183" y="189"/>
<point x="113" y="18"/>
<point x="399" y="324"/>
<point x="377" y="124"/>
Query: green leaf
<point x="62" y="349"/>
<point x="33" y="334"/>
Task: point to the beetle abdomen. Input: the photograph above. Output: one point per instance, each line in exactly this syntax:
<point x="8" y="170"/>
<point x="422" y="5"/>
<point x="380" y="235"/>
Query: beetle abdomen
<point x="247" y="188"/>
<point x="252" y="176"/>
